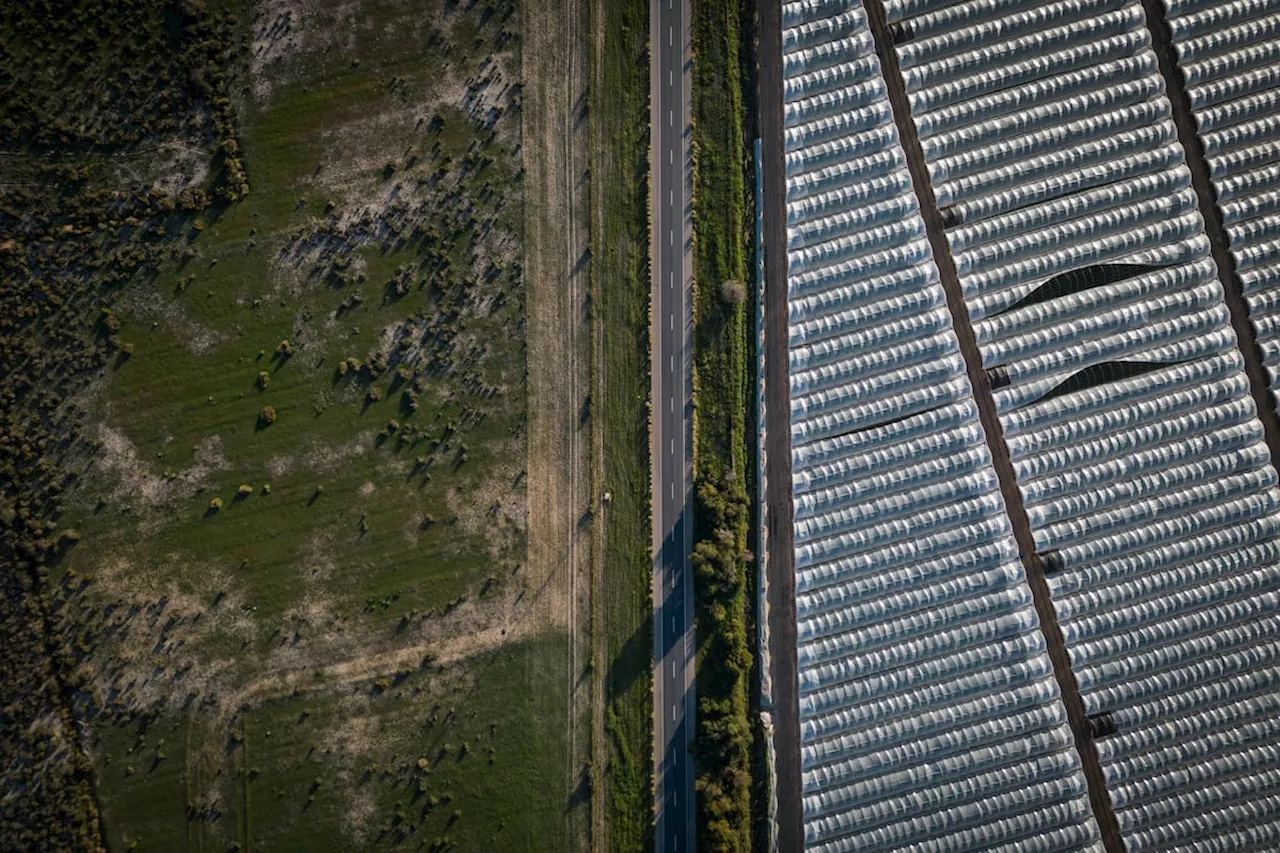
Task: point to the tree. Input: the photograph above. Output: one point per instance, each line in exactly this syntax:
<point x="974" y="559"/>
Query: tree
<point x="267" y="416"/>
<point x="733" y="291"/>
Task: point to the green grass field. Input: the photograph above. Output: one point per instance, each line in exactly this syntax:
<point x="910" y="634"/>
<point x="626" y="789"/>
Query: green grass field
<point x="622" y="104"/>
<point x="368" y="291"/>
<point x="432" y="759"/>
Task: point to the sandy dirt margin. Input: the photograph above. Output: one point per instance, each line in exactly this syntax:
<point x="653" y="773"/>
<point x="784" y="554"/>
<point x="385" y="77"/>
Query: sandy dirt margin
<point x="556" y="53"/>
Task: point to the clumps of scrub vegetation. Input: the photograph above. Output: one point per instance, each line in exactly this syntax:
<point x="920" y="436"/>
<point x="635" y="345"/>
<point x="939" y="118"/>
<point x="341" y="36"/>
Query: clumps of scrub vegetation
<point x="123" y="189"/>
<point x="723" y="746"/>
<point x="724" y="741"/>
<point x="84" y="88"/>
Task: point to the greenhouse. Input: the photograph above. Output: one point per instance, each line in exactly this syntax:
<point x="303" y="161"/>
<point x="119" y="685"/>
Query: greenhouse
<point x="931" y="715"/>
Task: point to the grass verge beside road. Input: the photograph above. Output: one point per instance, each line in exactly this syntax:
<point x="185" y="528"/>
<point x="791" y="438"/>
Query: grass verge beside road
<point x="721" y="350"/>
<point x="620" y="254"/>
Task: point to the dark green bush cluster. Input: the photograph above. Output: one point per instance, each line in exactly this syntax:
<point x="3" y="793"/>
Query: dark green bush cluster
<point x="105" y="74"/>
<point x="723" y="745"/>
<point x="77" y="81"/>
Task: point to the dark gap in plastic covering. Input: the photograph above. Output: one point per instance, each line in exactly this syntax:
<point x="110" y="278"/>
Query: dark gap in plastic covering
<point x="890" y="421"/>
<point x="1078" y="281"/>
<point x="1102" y="725"/>
<point x="1052" y="562"/>
<point x="1101" y="374"/>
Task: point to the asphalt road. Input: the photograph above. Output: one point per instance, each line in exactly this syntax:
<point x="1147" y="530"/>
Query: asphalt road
<point x="672" y="426"/>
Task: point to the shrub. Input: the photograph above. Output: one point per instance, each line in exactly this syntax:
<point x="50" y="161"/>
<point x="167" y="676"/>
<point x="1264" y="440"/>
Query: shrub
<point x="264" y="379"/>
<point x="733" y="291"/>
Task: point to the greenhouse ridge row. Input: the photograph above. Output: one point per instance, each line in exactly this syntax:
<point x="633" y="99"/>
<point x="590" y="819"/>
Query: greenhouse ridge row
<point x="1035" y="515"/>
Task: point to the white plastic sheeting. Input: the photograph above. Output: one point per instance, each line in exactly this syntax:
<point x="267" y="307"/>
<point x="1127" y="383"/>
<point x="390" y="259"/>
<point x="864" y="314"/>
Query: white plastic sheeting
<point x="930" y="717"/>
<point x="1230" y="56"/>
<point x="1048" y="137"/>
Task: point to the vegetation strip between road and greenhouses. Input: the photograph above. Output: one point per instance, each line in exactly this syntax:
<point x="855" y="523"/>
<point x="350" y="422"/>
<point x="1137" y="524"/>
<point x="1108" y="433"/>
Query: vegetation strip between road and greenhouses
<point x="723" y="742"/>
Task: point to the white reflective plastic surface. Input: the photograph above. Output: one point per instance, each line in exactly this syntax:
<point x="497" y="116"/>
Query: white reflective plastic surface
<point x="930" y="717"/>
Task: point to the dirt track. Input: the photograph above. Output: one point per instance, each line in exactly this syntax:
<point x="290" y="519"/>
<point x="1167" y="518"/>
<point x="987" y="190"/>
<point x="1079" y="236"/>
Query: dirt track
<point x="781" y="572"/>
<point x="556" y="53"/>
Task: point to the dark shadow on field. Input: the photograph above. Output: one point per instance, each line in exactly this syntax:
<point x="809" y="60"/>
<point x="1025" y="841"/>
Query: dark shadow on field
<point x="632" y="661"/>
<point x="581" y="795"/>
